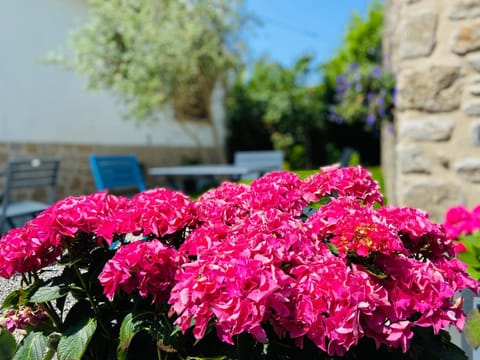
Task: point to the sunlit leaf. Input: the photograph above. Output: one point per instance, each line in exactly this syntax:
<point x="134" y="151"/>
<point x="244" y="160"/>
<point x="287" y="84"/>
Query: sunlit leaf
<point x="74" y="342"/>
<point x="131" y="325"/>
<point x="51" y="290"/>
<point x="33" y="347"/>
<point x="472" y="328"/>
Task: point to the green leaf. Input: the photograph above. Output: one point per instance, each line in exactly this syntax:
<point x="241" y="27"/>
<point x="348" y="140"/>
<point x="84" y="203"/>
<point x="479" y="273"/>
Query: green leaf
<point x="19" y="297"/>
<point x="8" y="345"/>
<point x="12" y="300"/>
<point x="332" y="248"/>
<point x="471" y="256"/>
<point x="32" y="347"/>
<point x="53" y="289"/>
<point x="129" y="328"/>
<point x="472" y="328"/>
<point x="74" y="342"/>
<point x="52" y="344"/>
<point x="26" y="293"/>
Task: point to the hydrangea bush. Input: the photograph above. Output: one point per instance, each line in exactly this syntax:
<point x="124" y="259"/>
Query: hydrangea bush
<point x="463" y="227"/>
<point x="283" y="268"/>
<point x="460" y="225"/>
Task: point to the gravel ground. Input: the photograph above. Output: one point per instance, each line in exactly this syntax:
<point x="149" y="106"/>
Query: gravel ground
<point x="7" y="286"/>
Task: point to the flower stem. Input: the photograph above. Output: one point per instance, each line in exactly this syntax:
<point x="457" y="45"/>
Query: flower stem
<point x="90" y="298"/>
<point x="48" y="307"/>
<point x="52" y="314"/>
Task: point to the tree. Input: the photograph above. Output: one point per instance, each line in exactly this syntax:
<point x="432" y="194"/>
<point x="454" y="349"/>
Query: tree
<point x="312" y="123"/>
<point x="278" y="101"/>
<point x="153" y="53"/>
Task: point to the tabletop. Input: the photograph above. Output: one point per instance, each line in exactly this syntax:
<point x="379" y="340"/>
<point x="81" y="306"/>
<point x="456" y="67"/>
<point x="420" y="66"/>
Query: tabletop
<point x="201" y="170"/>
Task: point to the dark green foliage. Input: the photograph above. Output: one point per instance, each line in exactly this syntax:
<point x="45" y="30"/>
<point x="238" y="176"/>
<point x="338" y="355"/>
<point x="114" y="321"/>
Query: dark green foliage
<point x="360" y="91"/>
<point x="275" y="107"/>
<point x="279" y="107"/>
<point x="8" y="345"/>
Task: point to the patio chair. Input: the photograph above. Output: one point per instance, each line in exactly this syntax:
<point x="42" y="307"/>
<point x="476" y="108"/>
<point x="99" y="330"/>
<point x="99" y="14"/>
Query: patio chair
<point x="345" y="156"/>
<point x="260" y="161"/>
<point x="27" y="174"/>
<point x="117" y="173"/>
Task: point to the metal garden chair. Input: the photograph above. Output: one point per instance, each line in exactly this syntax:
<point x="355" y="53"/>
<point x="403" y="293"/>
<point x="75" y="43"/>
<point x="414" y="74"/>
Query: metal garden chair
<point x="117" y="173"/>
<point x="27" y="174"/>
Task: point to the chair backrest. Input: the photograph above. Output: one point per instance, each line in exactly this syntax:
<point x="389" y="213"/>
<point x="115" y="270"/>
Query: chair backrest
<point x="346" y="155"/>
<point x="261" y="161"/>
<point x="31" y="173"/>
<point x="116" y="172"/>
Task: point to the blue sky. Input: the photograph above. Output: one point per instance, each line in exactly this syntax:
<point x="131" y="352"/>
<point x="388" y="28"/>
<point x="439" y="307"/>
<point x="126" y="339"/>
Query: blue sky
<point x="295" y="27"/>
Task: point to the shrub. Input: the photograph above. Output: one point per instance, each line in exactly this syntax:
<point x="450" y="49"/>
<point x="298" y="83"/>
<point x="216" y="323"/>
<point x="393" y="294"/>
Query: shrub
<point x="282" y="268"/>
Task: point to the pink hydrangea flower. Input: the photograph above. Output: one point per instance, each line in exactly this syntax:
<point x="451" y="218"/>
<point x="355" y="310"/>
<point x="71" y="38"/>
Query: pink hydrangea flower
<point x="460" y="221"/>
<point x="418" y="233"/>
<point x="22" y="250"/>
<point x="349" y="181"/>
<point x="262" y="263"/>
<point x="225" y="203"/>
<point x="281" y="190"/>
<point x="43" y="239"/>
<point x="158" y="212"/>
<point x="353" y="227"/>
<point x="148" y="267"/>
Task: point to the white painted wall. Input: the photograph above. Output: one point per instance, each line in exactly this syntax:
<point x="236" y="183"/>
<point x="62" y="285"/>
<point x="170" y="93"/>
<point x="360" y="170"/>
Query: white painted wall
<point x="44" y="103"/>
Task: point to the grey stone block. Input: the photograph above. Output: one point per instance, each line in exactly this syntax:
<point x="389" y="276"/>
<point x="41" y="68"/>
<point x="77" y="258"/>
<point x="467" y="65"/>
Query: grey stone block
<point x="468" y="169"/>
<point x="417" y="35"/>
<point x="432" y="88"/>
<point x="426" y="130"/>
<point x="464" y="9"/>
<point x="472" y="108"/>
<point x="466" y="39"/>
<point x="412" y="160"/>
<point x="475" y="133"/>
<point x="435" y="197"/>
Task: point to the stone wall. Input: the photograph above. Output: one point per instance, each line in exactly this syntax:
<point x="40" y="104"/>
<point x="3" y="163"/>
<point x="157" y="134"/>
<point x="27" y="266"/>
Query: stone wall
<point x="431" y="159"/>
<point x="75" y="176"/>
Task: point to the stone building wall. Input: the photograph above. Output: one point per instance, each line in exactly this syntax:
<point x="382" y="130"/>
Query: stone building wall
<point x="75" y="176"/>
<point x="431" y="159"/>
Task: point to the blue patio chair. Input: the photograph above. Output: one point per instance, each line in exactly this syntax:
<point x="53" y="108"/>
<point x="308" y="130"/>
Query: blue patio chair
<point x="27" y="174"/>
<point x="117" y="173"/>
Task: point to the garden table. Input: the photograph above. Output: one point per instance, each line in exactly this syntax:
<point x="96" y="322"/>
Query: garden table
<point x="210" y="171"/>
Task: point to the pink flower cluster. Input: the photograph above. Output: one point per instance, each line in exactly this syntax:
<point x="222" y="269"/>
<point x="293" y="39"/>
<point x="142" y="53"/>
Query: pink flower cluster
<point x="459" y="220"/>
<point x="249" y="257"/>
<point x="41" y="241"/>
<point x="351" y="269"/>
<point x="148" y="267"/>
<point x="156" y="212"/>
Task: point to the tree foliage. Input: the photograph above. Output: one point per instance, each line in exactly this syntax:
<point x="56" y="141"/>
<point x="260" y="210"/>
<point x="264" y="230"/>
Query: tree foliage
<point x="360" y="91"/>
<point x="362" y="44"/>
<point x="312" y="123"/>
<point x="155" y="52"/>
<point x="279" y="102"/>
